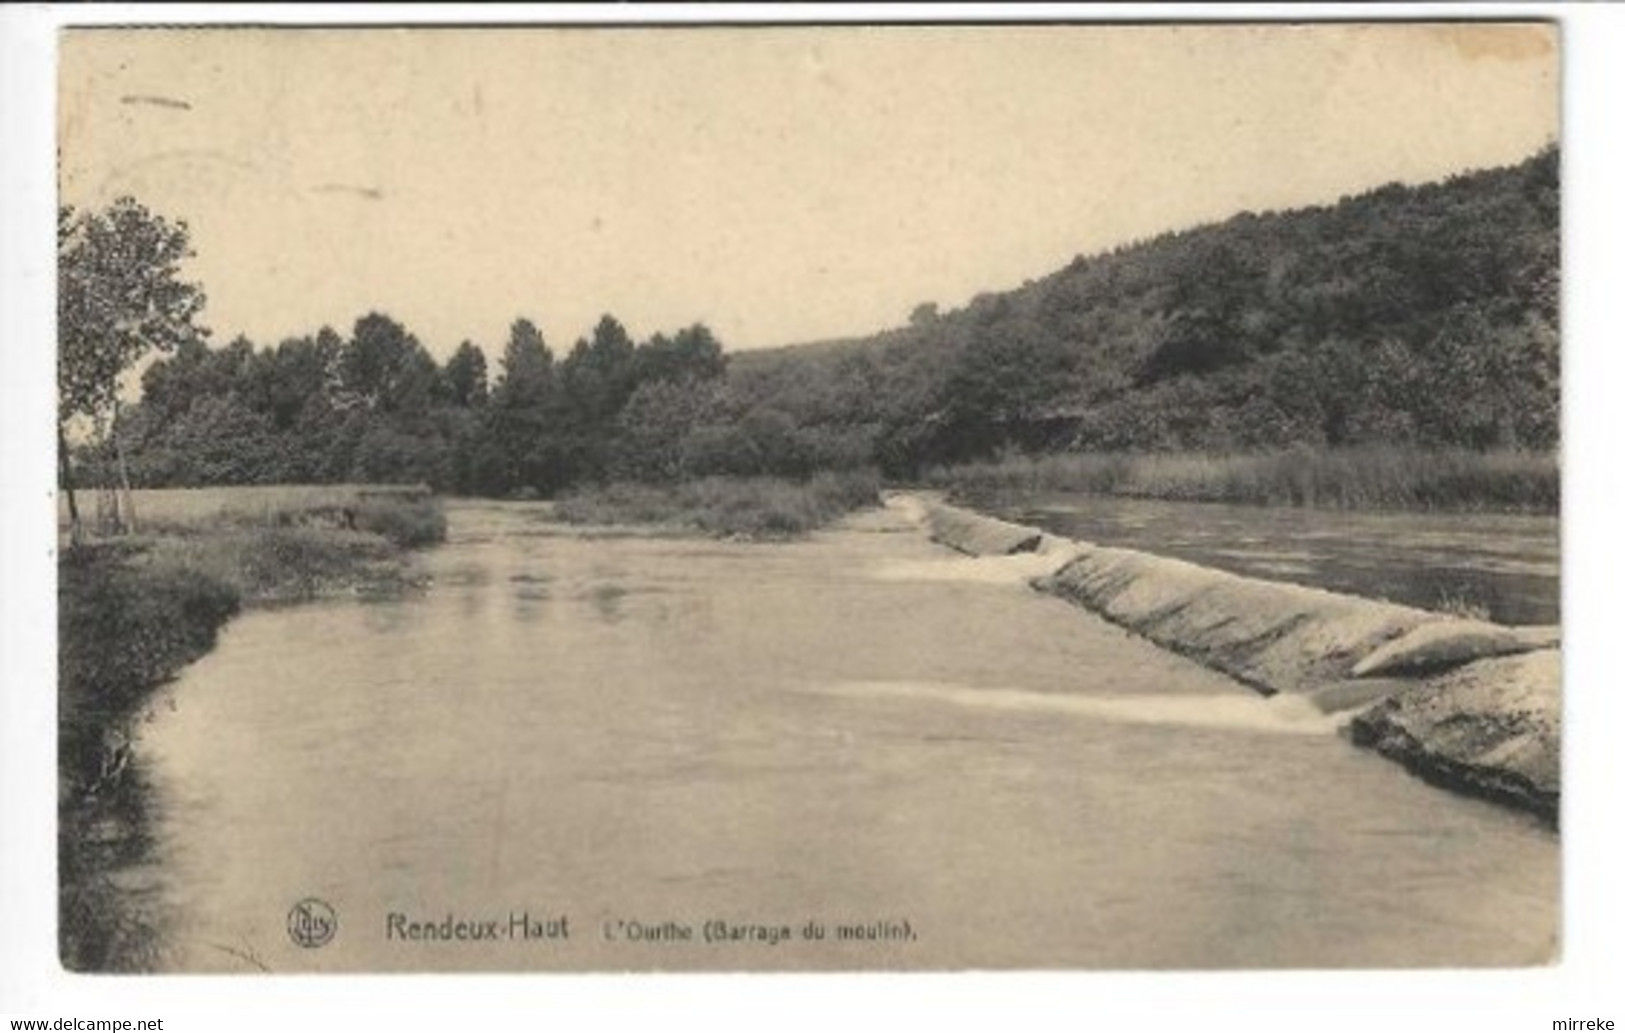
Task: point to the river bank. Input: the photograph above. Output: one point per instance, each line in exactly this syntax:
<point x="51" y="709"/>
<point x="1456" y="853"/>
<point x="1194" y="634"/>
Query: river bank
<point x="134" y="610"/>
<point x="1354" y="478"/>
<point x="1435" y="692"/>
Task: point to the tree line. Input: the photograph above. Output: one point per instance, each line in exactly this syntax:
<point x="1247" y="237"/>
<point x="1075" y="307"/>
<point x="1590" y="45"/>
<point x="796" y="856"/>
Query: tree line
<point x="375" y="406"/>
<point x="1421" y="316"/>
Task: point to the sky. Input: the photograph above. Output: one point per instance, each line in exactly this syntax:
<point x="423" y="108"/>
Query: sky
<point x="781" y="185"/>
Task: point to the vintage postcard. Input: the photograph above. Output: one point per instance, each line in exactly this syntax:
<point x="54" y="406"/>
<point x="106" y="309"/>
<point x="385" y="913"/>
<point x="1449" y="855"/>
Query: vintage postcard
<point x="781" y="498"/>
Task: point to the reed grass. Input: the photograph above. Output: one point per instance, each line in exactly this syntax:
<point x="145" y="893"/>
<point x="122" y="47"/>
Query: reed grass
<point x="190" y="510"/>
<point x="1349" y="479"/>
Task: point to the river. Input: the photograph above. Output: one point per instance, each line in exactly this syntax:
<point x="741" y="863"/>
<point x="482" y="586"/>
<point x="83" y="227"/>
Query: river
<point x="1504" y="566"/>
<point x="591" y="745"/>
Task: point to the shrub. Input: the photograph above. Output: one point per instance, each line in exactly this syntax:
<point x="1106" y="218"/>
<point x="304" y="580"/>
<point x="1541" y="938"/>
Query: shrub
<point x="746" y="507"/>
<point x="409" y="523"/>
<point x="123" y="628"/>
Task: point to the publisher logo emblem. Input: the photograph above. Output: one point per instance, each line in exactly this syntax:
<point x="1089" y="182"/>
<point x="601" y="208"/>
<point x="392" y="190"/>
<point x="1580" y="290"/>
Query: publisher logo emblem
<point x="312" y="923"/>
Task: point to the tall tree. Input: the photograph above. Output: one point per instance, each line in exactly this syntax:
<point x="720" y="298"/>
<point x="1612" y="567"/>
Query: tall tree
<point x="385" y="367"/>
<point x="598" y="375"/>
<point x="464" y="376"/>
<point x="527" y="367"/>
<point x="120" y="295"/>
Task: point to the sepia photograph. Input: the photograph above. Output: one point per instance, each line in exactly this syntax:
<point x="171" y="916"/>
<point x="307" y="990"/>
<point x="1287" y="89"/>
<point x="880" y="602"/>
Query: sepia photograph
<point x="809" y="497"/>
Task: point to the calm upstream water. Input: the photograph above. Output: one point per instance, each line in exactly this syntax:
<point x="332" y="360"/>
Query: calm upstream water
<point x="602" y="749"/>
<point x="1507" y="565"/>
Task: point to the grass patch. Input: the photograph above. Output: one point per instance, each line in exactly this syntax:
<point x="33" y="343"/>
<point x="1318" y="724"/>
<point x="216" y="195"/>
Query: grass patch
<point x="279" y="565"/>
<point x="189" y="511"/>
<point x="124" y="627"/>
<point x="1353" y="479"/>
<point x="757" y="508"/>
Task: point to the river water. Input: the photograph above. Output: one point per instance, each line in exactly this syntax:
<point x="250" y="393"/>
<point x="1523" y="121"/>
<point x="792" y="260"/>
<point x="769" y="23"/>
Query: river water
<point x="1501" y="565"/>
<point x="601" y="743"/>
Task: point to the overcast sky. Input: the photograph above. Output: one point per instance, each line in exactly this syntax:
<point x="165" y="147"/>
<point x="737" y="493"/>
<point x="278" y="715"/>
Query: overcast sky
<point x="782" y="185"/>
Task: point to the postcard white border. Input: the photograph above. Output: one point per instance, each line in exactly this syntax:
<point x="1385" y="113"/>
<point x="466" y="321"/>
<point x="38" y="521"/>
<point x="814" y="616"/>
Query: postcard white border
<point x="1583" y="984"/>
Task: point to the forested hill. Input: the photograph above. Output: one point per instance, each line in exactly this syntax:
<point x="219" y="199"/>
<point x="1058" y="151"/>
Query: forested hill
<point x="1420" y="315"/>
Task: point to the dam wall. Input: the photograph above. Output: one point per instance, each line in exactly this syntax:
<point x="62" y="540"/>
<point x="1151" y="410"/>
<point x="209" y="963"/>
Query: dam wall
<point x="977" y="535"/>
<point x="1467" y="704"/>
<point x="1491" y="728"/>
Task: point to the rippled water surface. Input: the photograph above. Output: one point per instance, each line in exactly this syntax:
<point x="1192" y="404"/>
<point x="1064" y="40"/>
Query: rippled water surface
<point x="1500" y="565"/>
<point x="642" y="735"/>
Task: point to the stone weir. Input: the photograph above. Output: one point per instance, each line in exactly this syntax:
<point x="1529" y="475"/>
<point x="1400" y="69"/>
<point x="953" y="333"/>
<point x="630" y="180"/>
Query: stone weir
<point x="1466" y="704"/>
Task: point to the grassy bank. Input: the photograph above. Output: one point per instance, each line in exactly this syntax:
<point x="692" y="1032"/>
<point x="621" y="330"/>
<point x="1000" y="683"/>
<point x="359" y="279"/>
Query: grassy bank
<point x="762" y="508"/>
<point x="1356" y="478"/>
<point x="123" y="628"/>
<point x="134" y="610"/>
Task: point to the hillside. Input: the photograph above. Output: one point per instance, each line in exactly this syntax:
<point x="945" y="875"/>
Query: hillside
<point x="1420" y="315"/>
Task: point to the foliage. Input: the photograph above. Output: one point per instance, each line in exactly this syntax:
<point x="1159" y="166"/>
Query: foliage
<point x="755" y="508"/>
<point x="375" y="407"/>
<point x="383" y="368"/>
<point x="408" y="523"/>
<point x="124" y="627"/>
<point x="119" y="295"/>
<point x="1421" y="318"/>
<point x="464" y="376"/>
